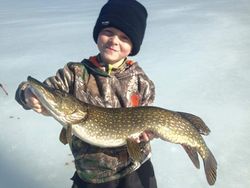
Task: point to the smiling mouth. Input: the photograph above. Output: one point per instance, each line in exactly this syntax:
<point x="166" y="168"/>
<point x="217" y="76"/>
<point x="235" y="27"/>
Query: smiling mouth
<point x="111" y="49"/>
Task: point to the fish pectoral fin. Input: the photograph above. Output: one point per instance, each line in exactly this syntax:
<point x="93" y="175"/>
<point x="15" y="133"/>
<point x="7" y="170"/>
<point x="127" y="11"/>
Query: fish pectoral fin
<point x="193" y="155"/>
<point x="134" y="150"/>
<point x="69" y="134"/>
<point x="63" y="136"/>
<point x="196" y="122"/>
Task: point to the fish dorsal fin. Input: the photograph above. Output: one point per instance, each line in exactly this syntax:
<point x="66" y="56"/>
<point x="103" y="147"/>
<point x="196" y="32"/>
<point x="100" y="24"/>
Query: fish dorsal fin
<point x="197" y="122"/>
<point x="134" y="150"/>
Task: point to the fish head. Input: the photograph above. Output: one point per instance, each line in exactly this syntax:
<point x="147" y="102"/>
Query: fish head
<point x="62" y="106"/>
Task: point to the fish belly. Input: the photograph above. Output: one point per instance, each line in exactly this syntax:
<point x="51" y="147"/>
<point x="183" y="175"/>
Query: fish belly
<point x="97" y="140"/>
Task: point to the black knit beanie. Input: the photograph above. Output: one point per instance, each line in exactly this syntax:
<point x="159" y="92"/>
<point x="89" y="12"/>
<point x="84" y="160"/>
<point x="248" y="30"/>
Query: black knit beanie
<point x="129" y="16"/>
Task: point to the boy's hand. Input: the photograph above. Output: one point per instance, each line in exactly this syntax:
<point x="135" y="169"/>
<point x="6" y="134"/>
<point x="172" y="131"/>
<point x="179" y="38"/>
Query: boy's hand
<point x="32" y="101"/>
<point x="145" y="137"/>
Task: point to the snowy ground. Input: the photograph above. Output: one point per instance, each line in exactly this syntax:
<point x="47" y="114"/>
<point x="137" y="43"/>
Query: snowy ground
<point x="196" y="52"/>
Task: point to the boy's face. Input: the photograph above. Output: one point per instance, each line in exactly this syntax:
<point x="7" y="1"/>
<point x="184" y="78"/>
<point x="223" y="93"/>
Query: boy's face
<point x="113" y="44"/>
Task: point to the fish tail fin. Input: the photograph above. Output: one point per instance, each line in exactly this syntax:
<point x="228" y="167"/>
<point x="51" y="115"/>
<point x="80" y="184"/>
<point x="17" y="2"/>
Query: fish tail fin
<point x="210" y="166"/>
<point x="193" y="155"/>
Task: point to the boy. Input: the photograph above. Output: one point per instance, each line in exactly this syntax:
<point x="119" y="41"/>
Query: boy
<point x="108" y="79"/>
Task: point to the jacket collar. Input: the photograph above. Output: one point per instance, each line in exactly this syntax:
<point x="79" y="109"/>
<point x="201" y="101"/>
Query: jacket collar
<point x="96" y="66"/>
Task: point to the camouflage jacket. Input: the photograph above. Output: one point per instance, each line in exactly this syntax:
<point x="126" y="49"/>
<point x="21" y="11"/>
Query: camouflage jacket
<point x="92" y="82"/>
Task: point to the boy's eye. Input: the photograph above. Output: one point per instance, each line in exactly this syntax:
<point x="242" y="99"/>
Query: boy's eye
<point x="107" y="32"/>
<point x="124" y="38"/>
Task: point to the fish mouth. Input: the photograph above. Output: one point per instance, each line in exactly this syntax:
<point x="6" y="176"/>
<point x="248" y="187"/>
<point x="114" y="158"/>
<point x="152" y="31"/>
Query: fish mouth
<point x="33" y="81"/>
<point x="43" y="93"/>
<point x="54" y="102"/>
<point x="37" y="85"/>
<point x="40" y="90"/>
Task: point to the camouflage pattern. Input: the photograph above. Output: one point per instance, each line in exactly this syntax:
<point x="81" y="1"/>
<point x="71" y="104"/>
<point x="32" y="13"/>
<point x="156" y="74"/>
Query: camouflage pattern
<point x="90" y="82"/>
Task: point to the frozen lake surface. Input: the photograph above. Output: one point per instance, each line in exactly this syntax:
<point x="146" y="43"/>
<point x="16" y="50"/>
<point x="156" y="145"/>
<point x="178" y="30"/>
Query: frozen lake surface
<point x="196" y="52"/>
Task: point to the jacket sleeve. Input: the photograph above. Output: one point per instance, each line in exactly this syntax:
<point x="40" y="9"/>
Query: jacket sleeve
<point x="63" y="80"/>
<point x="146" y="89"/>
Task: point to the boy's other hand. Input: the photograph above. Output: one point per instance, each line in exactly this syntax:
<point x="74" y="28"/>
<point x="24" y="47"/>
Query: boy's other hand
<point x="145" y="136"/>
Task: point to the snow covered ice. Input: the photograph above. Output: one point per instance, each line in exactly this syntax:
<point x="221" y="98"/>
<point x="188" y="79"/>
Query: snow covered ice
<point x="196" y="52"/>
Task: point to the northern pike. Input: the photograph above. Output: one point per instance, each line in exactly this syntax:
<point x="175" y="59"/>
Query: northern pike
<point x="113" y="127"/>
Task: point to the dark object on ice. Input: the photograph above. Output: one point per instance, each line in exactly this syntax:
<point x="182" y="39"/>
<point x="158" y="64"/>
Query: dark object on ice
<point x="4" y="90"/>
